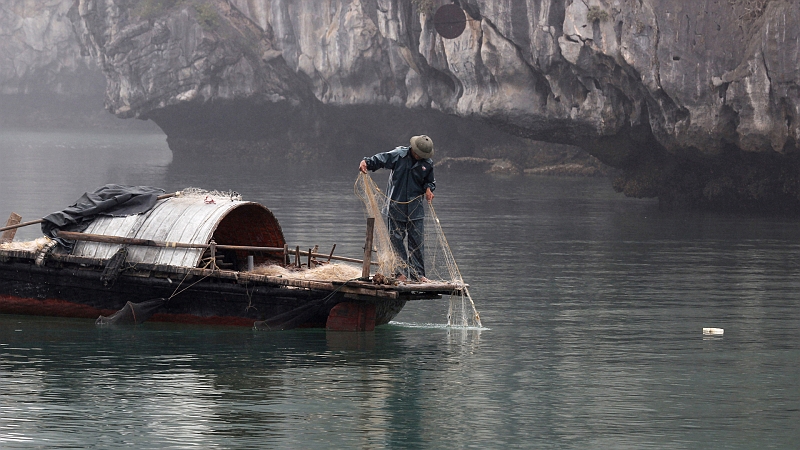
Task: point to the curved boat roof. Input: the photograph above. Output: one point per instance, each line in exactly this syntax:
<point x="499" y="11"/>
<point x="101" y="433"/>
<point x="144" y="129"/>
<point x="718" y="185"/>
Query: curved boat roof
<point x="190" y="220"/>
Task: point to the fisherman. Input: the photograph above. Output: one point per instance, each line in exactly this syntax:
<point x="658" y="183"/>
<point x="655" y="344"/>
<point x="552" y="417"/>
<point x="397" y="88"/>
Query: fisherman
<point x="410" y="180"/>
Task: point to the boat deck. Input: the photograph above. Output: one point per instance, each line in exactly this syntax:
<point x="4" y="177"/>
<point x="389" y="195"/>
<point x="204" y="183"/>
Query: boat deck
<point x="354" y="288"/>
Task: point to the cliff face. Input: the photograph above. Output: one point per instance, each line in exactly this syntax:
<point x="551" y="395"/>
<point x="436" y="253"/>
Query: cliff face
<point x="47" y="78"/>
<point x="39" y="52"/>
<point x="697" y="102"/>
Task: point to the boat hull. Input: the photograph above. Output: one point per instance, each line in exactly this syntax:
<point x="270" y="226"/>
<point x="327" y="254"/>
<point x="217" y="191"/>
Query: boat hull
<point x="75" y="292"/>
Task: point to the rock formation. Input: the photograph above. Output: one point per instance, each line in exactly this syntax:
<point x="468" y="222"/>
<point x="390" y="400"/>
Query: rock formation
<point x="696" y="102"/>
<point x="47" y="78"/>
<point x="39" y="52"/>
<point x="42" y="64"/>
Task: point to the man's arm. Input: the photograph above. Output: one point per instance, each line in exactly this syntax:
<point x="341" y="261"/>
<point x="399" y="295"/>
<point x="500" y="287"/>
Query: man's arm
<point x="430" y="185"/>
<point x="384" y="160"/>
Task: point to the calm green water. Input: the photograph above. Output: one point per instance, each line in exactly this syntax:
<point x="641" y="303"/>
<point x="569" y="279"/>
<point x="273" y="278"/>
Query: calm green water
<point x="593" y="306"/>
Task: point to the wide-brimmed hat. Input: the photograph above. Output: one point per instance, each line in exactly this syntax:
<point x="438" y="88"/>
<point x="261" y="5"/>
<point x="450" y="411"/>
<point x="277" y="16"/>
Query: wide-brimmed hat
<point x="422" y="146"/>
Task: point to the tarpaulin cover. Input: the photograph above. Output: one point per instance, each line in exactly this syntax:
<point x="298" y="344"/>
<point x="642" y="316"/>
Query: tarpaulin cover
<point x="110" y="200"/>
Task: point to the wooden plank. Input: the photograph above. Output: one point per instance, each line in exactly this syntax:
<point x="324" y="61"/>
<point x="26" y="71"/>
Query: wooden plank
<point x="360" y="286"/>
<point x="331" y="255"/>
<point x="102" y="226"/>
<point x="182" y="212"/>
<point x="20" y="225"/>
<point x="368" y="248"/>
<point x="429" y="287"/>
<point x="353" y="287"/>
<point x="350" y="287"/>
<point x="73" y="236"/>
<point x="10" y="229"/>
<point x="19" y="254"/>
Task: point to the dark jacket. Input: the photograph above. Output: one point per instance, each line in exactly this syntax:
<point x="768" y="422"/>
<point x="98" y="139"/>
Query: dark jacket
<point x="407" y="182"/>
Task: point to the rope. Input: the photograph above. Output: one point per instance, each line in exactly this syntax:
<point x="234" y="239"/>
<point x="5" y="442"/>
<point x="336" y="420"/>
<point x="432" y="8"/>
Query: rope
<point x="186" y="275"/>
<point x="132" y="312"/>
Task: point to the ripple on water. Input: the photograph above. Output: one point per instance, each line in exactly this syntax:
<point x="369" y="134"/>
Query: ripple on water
<point x="593" y="306"/>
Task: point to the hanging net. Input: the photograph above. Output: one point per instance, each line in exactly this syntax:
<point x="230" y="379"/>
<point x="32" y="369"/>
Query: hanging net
<point x="132" y="313"/>
<point x="439" y="264"/>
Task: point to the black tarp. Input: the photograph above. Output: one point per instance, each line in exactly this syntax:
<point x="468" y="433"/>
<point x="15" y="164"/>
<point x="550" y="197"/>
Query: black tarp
<point x="110" y="200"/>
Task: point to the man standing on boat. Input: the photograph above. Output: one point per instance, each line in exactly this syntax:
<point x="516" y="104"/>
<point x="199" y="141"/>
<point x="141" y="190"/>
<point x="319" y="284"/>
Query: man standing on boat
<point x="411" y="180"/>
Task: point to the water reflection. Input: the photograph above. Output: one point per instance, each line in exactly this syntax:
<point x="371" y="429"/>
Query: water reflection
<point x="150" y="384"/>
<point x="594" y="306"/>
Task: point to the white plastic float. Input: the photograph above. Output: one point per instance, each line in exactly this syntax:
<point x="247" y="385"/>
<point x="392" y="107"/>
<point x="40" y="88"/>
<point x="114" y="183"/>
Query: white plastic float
<point x="713" y="331"/>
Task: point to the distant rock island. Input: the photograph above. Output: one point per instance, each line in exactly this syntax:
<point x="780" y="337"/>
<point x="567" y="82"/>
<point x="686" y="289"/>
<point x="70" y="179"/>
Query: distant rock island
<point x="695" y="103"/>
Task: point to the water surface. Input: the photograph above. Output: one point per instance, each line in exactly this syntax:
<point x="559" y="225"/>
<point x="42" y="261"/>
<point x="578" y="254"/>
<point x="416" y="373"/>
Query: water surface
<point x="593" y="305"/>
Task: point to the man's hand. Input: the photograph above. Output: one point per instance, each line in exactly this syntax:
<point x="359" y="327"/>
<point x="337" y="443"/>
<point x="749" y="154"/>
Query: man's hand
<point x="363" y="166"/>
<point x="429" y="195"/>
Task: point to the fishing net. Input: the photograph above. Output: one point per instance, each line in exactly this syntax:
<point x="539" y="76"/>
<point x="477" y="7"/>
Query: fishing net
<point x="439" y="263"/>
<point x="132" y="313"/>
<point x="209" y="196"/>
<point x="29" y="246"/>
<point x="327" y="272"/>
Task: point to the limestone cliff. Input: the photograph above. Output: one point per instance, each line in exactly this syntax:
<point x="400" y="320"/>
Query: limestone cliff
<point x="47" y="78"/>
<point x="697" y="102"/>
<point x="39" y="52"/>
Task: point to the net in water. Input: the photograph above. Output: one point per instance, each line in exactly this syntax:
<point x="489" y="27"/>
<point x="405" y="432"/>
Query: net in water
<point x="132" y="313"/>
<point x="439" y="265"/>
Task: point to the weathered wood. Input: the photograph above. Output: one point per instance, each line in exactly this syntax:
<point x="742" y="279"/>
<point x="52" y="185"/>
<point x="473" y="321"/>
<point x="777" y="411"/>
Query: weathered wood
<point x="351" y="316"/>
<point x="89" y="264"/>
<point x="359" y="288"/>
<point x="73" y="291"/>
<point x="10" y="231"/>
<point x="368" y="248"/>
<point x="429" y="287"/>
<point x="331" y="255"/>
<point x="297" y="256"/>
<point x="343" y="258"/>
<point x="20" y="225"/>
<point x="213" y="247"/>
<point x="73" y="236"/>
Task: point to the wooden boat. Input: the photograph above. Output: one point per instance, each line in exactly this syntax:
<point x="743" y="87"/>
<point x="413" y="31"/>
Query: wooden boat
<point x="197" y="255"/>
